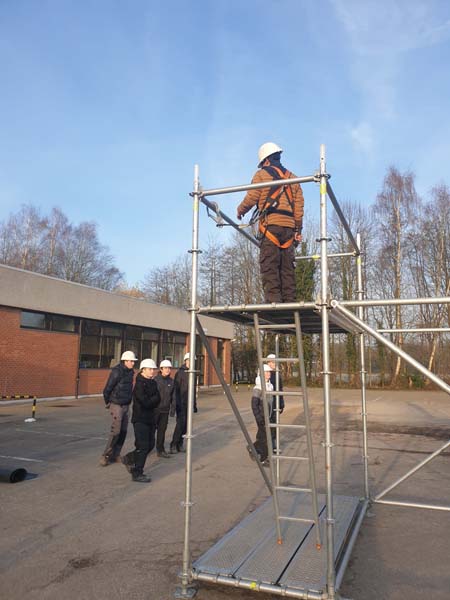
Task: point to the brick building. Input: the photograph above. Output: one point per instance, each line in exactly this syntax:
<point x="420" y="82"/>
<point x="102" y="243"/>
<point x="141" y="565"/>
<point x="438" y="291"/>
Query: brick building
<point x="59" y="338"/>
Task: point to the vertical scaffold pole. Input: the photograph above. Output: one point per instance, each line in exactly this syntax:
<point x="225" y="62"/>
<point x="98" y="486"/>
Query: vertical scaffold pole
<point x="277" y="407"/>
<point x="187" y="590"/>
<point x="362" y="362"/>
<point x="331" y="573"/>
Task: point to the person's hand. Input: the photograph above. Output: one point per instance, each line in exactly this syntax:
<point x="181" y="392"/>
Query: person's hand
<point x="297" y="237"/>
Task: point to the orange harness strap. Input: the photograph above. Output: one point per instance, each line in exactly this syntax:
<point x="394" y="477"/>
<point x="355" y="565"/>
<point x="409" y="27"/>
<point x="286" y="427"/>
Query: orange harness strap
<point x="273" y="197"/>
<point x="274" y="239"/>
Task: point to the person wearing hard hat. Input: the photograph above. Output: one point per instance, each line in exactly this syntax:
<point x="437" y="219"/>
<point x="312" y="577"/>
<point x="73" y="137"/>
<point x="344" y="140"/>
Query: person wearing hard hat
<point x="181" y="391"/>
<point x="258" y="412"/>
<point x="273" y="381"/>
<point x="165" y="386"/>
<point x="117" y="395"/>
<point x="280" y="224"/>
<point x="146" y="400"/>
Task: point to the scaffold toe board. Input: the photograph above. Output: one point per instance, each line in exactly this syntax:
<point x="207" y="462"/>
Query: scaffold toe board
<point x="276" y="315"/>
<point x="250" y="552"/>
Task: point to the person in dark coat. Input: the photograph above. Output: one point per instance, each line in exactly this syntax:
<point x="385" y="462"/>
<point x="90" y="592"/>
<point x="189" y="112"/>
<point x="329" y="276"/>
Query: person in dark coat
<point x="258" y="412"/>
<point x="273" y="381"/>
<point x="146" y="400"/>
<point x="166" y="389"/>
<point x="181" y="391"/>
<point x="117" y="395"/>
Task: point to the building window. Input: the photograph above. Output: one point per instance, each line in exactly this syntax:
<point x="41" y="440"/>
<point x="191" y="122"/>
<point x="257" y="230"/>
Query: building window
<point x="33" y="320"/>
<point x="173" y="347"/>
<point x="48" y="322"/>
<point x="100" y="344"/>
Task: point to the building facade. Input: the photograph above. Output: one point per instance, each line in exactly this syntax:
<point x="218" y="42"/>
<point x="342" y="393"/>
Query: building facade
<point x="59" y="338"/>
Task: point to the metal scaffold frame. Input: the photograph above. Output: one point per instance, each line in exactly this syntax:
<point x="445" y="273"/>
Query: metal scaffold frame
<point x="333" y="314"/>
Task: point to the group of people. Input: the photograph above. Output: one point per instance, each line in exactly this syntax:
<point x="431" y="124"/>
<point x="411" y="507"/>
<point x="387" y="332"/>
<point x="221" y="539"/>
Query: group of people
<point x="155" y="396"/>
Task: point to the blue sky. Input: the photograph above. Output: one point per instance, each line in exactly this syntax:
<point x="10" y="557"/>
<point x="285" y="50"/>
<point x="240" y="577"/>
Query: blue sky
<point x="106" y="105"/>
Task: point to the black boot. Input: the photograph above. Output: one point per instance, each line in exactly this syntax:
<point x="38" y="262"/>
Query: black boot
<point x="181" y="448"/>
<point x="138" y="476"/>
<point x="173" y="449"/>
<point x="128" y="461"/>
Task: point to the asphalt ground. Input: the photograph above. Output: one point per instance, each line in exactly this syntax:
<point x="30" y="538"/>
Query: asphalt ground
<point x="75" y="530"/>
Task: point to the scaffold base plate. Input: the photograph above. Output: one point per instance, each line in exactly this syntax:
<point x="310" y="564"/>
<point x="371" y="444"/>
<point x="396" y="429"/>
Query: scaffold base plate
<point x="250" y="552"/>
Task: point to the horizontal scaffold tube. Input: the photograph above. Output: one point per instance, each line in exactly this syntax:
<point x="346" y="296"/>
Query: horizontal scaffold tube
<point x="351" y="542"/>
<point x="396" y="301"/>
<point x="275" y="306"/>
<point x="256" y="186"/>
<point x="258" y="587"/>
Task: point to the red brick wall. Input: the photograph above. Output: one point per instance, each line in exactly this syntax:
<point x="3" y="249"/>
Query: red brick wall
<point x="39" y="363"/>
<point x="92" y="381"/>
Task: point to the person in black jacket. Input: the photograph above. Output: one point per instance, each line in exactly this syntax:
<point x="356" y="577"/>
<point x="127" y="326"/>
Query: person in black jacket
<point x="181" y="385"/>
<point x="117" y="395"/>
<point x="165" y="386"/>
<point x="146" y="400"/>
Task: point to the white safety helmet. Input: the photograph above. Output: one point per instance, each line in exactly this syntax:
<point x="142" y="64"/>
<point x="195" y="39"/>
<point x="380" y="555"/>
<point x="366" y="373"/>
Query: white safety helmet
<point x="270" y="356"/>
<point x="266" y="150"/>
<point x="186" y="356"/>
<point x="165" y="363"/>
<point x="128" y="355"/>
<point x="148" y="363"/>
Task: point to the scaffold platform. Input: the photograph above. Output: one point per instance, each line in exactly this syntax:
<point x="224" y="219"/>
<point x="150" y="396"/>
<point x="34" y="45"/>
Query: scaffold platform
<point x="281" y="314"/>
<point x="248" y="556"/>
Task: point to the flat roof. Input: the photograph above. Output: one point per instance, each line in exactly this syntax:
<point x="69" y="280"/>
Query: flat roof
<point x="33" y="291"/>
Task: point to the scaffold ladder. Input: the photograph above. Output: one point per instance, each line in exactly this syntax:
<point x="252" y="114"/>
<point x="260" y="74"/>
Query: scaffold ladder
<point x="275" y="457"/>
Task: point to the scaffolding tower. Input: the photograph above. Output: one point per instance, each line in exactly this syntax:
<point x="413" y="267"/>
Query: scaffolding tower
<point x="304" y="551"/>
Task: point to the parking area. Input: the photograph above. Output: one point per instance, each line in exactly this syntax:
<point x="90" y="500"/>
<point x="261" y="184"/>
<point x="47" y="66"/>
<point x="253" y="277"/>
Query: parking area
<point x="75" y="530"/>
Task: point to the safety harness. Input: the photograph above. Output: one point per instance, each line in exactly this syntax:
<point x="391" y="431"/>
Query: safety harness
<point x="272" y="203"/>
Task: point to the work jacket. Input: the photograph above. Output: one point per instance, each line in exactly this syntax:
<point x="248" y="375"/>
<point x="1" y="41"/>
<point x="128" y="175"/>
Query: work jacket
<point x="181" y="389"/>
<point x="259" y="196"/>
<point x="146" y="399"/>
<point x="166" y="390"/>
<point x="119" y="387"/>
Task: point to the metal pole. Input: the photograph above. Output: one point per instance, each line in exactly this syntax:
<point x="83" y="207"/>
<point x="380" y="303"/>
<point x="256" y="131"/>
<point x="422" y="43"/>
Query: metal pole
<point x="331" y="575"/>
<point x="395" y="302"/>
<point x="234" y="408"/>
<point x="413" y="505"/>
<point x="186" y="590"/>
<point x="277" y="407"/>
<point x="351" y="542"/>
<point x="317" y="256"/>
<point x="222" y="215"/>
<point x="309" y="441"/>
<point x="257" y="186"/>
<point x="417" y="330"/>
<point x="411" y="472"/>
<point x="362" y="364"/>
<point x="276" y="306"/>
<point x="374" y="333"/>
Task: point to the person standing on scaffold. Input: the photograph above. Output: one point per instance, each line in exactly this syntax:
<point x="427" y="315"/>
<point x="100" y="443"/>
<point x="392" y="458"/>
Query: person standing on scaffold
<point x="280" y="224"/>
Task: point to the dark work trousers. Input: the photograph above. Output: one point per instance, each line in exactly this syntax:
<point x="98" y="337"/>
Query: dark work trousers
<point x="161" y="425"/>
<point x="277" y="266"/>
<point x="144" y="442"/>
<point x="273" y="431"/>
<point x="180" y="427"/>
<point x="118" y="433"/>
<point x="261" y="442"/>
